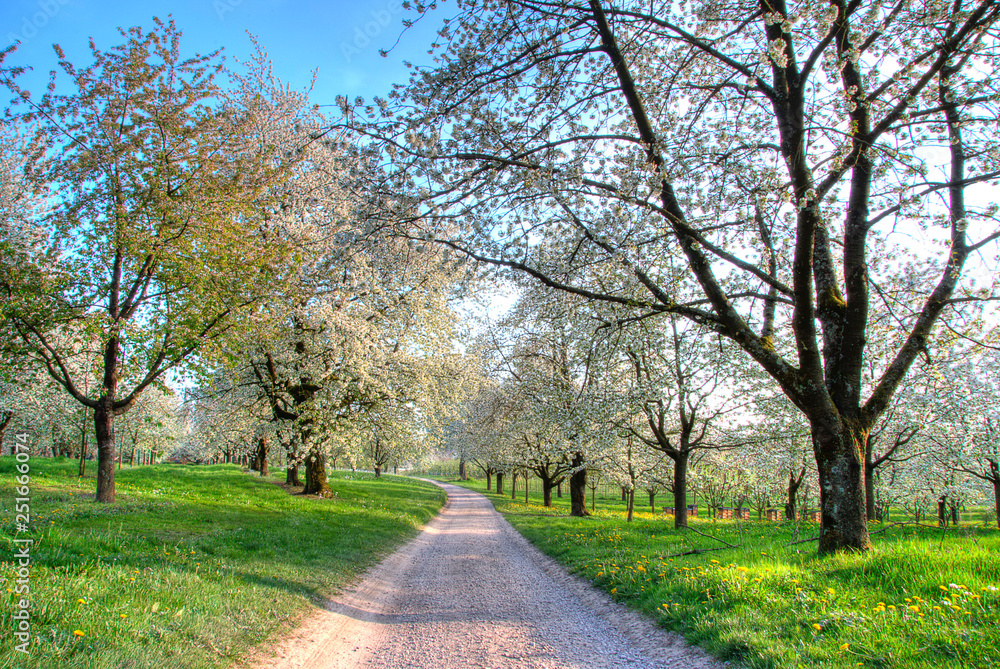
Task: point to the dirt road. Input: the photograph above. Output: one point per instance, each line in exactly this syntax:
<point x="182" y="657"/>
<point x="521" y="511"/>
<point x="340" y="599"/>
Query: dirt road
<point x="470" y="592"/>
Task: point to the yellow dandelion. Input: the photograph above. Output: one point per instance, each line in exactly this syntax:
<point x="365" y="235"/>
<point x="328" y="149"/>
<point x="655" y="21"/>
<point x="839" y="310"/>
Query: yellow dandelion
<point x="78" y="632"/>
<point x="81" y="601"/>
<point x="123" y="616"/>
<point x="817" y="626"/>
<point x="844" y="646"/>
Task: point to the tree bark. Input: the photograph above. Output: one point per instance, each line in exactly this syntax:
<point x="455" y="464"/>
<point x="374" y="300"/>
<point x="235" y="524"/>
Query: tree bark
<point x="5" y="417"/>
<point x="547" y="486"/>
<point x="578" y="488"/>
<point x="513" y="485"/>
<point x="489" y="480"/>
<point x="499" y="483"/>
<point x="996" y="499"/>
<point x="316" y="481"/>
<point x="840" y="460"/>
<point x="262" y="450"/>
<point x="680" y="489"/>
<point x="105" y="431"/>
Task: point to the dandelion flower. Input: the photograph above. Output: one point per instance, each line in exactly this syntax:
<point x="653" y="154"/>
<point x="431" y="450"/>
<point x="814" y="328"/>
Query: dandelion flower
<point x="78" y="632"/>
<point x="81" y="601"/>
<point x="844" y="646"/>
<point x="817" y="626"/>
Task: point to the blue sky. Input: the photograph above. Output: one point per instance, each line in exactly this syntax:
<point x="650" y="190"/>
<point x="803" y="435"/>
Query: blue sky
<point x="340" y="38"/>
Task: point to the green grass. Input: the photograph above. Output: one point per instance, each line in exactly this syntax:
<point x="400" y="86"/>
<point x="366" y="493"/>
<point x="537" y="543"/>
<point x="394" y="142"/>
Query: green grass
<point x="922" y="598"/>
<point x="191" y="566"/>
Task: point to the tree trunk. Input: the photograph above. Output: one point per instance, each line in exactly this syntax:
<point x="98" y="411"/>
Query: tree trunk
<point x="996" y="498"/>
<point x="489" y="480"/>
<point x="499" y="483"/>
<point x="547" y="487"/>
<point x="840" y="460"/>
<point x="378" y="471"/>
<point x="463" y="472"/>
<point x="942" y="518"/>
<point x="578" y="488"/>
<point x="292" y="475"/>
<point x="631" y="505"/>
<point x="513" y="485"/>
<point x="559" y="490"/>
<point x="316" y="481"/>
<point x="104" y="424"/>
<point x="680" y="489"/>
<point x="869" y="488"/>
<point x="262" y="456"/>
<point x="624" y="494"/>
<point x="5" y="418"/>
<point x="83" y="453"/>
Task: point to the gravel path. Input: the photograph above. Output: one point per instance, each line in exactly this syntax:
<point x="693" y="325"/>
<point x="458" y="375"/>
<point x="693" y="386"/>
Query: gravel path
<point x="470" y="592"/>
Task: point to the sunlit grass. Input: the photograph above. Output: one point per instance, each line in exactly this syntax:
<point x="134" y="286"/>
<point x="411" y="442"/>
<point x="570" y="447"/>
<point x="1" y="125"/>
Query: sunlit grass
<point x="921" y="598"/>
<point x="190" y="566"/>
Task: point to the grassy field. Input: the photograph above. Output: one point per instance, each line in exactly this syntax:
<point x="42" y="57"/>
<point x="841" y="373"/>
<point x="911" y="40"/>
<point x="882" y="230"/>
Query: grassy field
<point x="191" y="566"/>
<point x="924" y="598"/>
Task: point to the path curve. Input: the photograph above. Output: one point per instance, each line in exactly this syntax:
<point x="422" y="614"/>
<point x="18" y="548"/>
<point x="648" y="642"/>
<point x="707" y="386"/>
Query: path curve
<point x="470" y="593"/>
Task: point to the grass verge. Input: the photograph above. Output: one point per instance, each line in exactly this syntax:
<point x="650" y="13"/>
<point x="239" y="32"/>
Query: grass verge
<point x="191" y="566"/>
<point x="922" y="598"/>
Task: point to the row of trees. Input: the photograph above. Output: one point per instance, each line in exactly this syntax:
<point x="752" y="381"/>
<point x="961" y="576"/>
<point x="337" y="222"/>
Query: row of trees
<point x="653" y="411"/>
<point x="167" y="222"/>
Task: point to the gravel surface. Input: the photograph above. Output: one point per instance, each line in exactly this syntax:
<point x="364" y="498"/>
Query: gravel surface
<point x="470" y="592"/>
